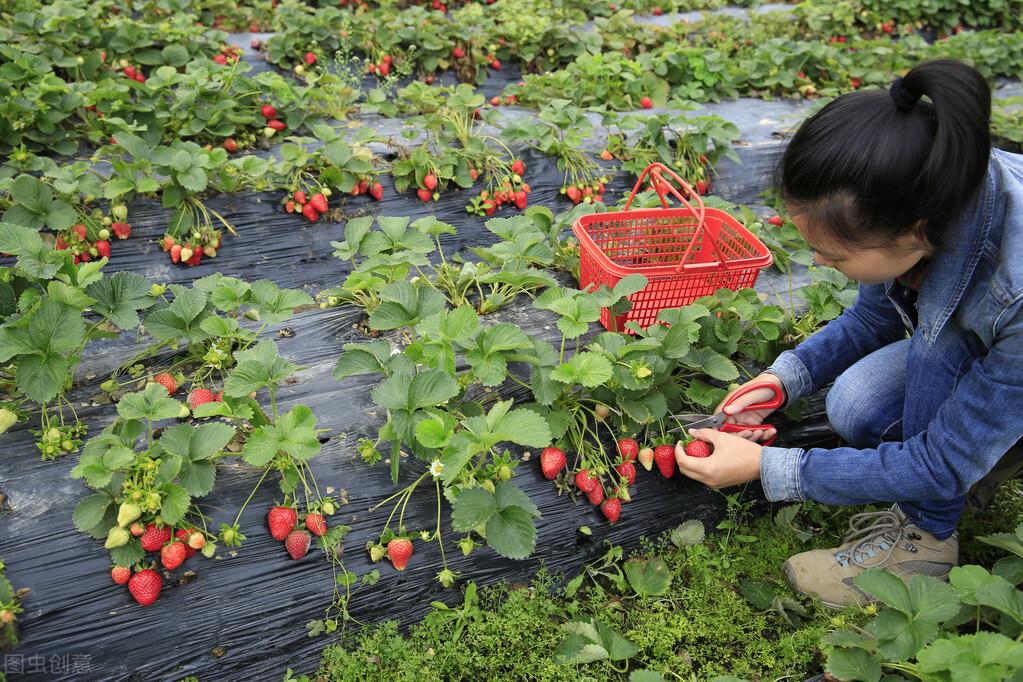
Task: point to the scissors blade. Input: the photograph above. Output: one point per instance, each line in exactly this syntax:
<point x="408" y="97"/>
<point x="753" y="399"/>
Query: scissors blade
<point x="702" y="421"/>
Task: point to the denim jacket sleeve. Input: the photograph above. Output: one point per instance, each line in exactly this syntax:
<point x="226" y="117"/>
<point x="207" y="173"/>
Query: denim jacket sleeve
<point x="967" y="436"/>
<point x="872" y="322"/>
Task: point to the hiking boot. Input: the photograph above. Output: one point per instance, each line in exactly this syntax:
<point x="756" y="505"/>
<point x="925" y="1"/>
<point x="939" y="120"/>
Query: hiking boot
<point x="884" y="539"/>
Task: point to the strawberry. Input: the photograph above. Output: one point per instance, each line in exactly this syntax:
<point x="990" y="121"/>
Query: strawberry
<point x="518" y="167"/>
<point x="457" y="53"/>
<point x="495" y="64"/>
<point x="289" y="206"/>
<point x="316" y="525"/>
<point x="230" y="145"/>
<point x="129" y="71"/>
<point x="220" y="59"/>
<point x="575" y="194"/>
<point x="137" y="529"/>
<point x="200" y="396"/>
<point x="282" y="521"/>
<point x="103" y="247"/>
<point x="255" y="43"/>
<point x="657" y="11"/>
<point x="701" y="187"/>
<point x="121" y="230"/>
<point x="664" y="457"/>
<point x="183" y="534"/>
<point x="300" y="197"/>
<point x="377" y="191"/>
<point x="297" y="543"/>
<point x="552" y="461"/>
<point x="310" y="213"/>
<point x="647" y="458"/>
<point x="167" y="381"/>
<point x="430" y="181"/>
<point x="596" y="496"/>
<point x="606" y="155"/>
<point x="173" y="555"/>
<point x="612" y="509"/>
<point x="424" y="194"/>
<point x="276" y="125"/>
<point x="154" y="538"/>
<point x="646" y="103"/>
<point x="855" y="83"/>
<point x="699" y="448"/>
<point x="628" y="448"/>
<point x="384" y="69"/>
<point x="167" y="242"/>
<point x="521" y="200"/>
<point x="194" y="259"/>
<point x="399" y="551"/>
<point x="196" y="540"/>
<point x="585" y="482"/>
<point x="79" y="230"/>
<point x="145" y="586"/>
<point x="268" y="111"/>
<point x="776" y="220"/>
<point x="120" y="574"/>
<point x="627" y="470"/>
<point x="319" y="202"/>
<point x="310" y="58"/>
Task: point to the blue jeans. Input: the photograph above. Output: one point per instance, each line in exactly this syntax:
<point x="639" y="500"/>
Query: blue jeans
<point x="865" y="408"/>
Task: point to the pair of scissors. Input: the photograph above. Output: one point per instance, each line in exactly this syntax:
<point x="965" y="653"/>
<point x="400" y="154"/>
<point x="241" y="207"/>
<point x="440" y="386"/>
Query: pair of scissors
<point x="717" y="421"/>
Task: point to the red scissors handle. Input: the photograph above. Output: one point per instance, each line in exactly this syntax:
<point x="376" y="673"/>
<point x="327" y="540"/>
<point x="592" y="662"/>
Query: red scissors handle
<point x="774" y="403"/>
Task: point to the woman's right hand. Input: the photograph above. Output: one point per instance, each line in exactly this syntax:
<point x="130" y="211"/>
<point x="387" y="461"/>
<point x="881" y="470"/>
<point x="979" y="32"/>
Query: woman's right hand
<point x="755" y="417"/>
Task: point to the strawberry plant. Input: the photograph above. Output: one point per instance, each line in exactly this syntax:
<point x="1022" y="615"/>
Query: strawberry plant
<point x="10" y="607"/>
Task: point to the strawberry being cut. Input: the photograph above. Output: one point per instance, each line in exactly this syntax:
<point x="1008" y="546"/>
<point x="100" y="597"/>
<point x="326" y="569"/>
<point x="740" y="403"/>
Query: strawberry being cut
<point x="664" y="458"/>
<point x="699" y="448"/>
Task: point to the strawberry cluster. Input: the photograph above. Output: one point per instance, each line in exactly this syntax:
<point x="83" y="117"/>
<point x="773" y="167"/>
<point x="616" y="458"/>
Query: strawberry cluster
<point x="273" y="124"/>
<point x="284" y="527"/>
<point x="368" y="186"/>
<point x="76" y="240"/>
<point x="581" y="193"/>
<point x="398" y="550"/>
<point x="382" y="69"/>
<point x="190" y="250"/>
<point x="228" y="54"/>
<point x="131" y="72"/>
<point x="311" y="207"/>
<point x="173" y="546"/>
<point x="608" y="487"/>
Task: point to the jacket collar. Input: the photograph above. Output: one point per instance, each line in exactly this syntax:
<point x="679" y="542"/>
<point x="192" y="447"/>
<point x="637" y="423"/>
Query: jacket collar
<point x="953" y="266"/>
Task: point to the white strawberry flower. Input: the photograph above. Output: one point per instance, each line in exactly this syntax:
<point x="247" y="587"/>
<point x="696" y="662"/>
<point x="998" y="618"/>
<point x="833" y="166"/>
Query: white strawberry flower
<point x="436" y="468"/>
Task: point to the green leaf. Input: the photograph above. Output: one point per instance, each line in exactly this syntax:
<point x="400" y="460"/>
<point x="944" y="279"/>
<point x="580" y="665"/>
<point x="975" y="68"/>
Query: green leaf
<point x="645" y="675"/>
<point x="151" y="403"/>
<point x="42" y="378"/>
<point x="196" y="443"/>
<point x="509" y="495"/>
<point x="713" y="363"/>
<point x="275" y="304"/>
<point x="691" y="532"/>
<point x="436" y="431"/>
<point x="362" y="358"/>
<point x="472" y="507"/>
<point x="511" y="533"/>
<point x="294" y="433"/>
<point x="648" y="577"/>
<point x="120" y="297"/>
<point x="258" y="367"/>
<point x="586" y="368"/>
<point x="89" y="513"/>
<point x="593" y="641"/>
<point x="854" y="664"/>
<point x="758" y="593"/>
<point x="1007" y="541"/>
<point x="176" y="501"/>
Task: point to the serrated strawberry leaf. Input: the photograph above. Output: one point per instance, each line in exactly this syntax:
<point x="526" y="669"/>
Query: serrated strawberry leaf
<point x="196" y="443"/>
<point x="275" y="304"/>
<point x="587" y="368"/>
<point x="293" y="433"/>
<point x="91" y="513"/>
<point x="258" y="367"/>
<point x="176" y="501"/>
<point x="152" y="403"/>
<point x="472" y="508"/>
<point x="120" y="296"/>
<point x="362" y="358"/>
<point x="128" y="554"/>
<point x="511" y="533"/>
<point x="35" y="259"/>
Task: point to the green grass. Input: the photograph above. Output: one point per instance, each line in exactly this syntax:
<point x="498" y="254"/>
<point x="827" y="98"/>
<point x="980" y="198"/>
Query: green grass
<point x="702" y="628"/>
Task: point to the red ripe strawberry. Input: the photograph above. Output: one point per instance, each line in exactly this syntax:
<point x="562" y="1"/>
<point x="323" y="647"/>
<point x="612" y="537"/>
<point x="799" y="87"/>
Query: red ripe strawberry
<point x="79" y="230"/>
<point x="574" y="194"/>
<point x="430" y="181"/>
<point x="220" y="397"/>
<point x="167" y="381"/>
<point x="473" y="173"/>
<point x="377" y="191"/>
<point x="657" y="11"/>
<point x="61" y="244"/>
<point x="310" y="213"/>
<point x="552" y="461"/>
<point x="282" y="521"/>
<point x="268" y="111"/>
<point x="195" y="259"/>
<point x="120" y="574"/>
<point x="129" y="71"/>
<point x="276" y="125"/>
<point x="855" y="83"/>
<point x="173" y="555"/>
<point x="887" y="27"/>
<point x="140" y="78"/>
<point x="612" y="509"/>
<point x="167" y="242"/>
<point x="458" y="53"/>
<point x="384" y="69"/>
<point x="495" y="64"/>
<point x="137" y="529"/>
<point x="701" y="187"/>
<point x="586" y="482"/>
<point x="627" y="470"/>
<point x="230" y="145"/>
<point x="596" y="496"/>
<point x="362" y="186"/>
<point x="518" y="167"/>
<point x="200" y="396"/>
<point x="297" y="543"/>
<point x="145" y="586"/>
<point x="154" y="538"/>
<point x="495" y="101"/>
<point x="521" y="200"/>
<point x="646" y="103"/>
<point x="628" y="448"/>
<point x="289" y="206"/>
<point x="316" y="525"/>
<point x="121" y="230"/>
<point x="664" y="458"/>
<point x="310" y="58"/>
<point x="424" y="194"/>
<point x="300" y="197"/>
<point x="184" y="534"/>
<point x="319" y="202"/>
<point x="699" y="448"/>
<point x="399" y="551"/>
<point x="776" y="220"/>
<point x="220" y="59"/>
<point x="103" y="247"/>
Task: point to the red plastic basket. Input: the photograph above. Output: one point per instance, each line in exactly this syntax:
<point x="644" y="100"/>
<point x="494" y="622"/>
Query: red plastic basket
<point x="684" y="252"/>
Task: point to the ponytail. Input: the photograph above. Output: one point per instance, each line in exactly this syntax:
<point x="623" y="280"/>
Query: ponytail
<point x="874" y="165"/>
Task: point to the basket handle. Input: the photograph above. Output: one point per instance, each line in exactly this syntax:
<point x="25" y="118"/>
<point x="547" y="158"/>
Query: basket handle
<point x="659" y="184"/>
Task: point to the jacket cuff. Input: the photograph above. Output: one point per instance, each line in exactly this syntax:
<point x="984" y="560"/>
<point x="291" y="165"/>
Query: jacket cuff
<point x="794" y="376"/>
<point x="779" y="473"/>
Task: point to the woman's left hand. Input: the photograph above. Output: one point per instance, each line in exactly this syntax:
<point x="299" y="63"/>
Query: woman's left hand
<point x="735" y="460"/>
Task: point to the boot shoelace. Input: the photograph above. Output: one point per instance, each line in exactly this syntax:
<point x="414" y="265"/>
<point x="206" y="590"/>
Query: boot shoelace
<point x="876" y="531"/>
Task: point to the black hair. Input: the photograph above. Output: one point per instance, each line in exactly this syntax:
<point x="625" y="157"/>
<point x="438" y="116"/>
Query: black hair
<point x="873" y="165"/>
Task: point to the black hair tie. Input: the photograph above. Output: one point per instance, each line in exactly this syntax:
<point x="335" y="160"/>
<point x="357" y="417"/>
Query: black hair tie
<point x="904" y="99"/>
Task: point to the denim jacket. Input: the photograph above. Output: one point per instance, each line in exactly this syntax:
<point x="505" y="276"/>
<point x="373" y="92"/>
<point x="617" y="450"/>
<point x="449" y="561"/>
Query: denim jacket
<point x="964" y="375"/>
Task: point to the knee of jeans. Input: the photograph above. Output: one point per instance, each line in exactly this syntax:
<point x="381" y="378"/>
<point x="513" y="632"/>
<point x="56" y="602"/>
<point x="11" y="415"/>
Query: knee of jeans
<point x="853" y="411"/>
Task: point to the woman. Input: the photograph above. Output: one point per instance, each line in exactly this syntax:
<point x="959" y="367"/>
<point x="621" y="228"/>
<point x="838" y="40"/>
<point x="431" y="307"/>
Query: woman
<point x="906" y="197"/>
